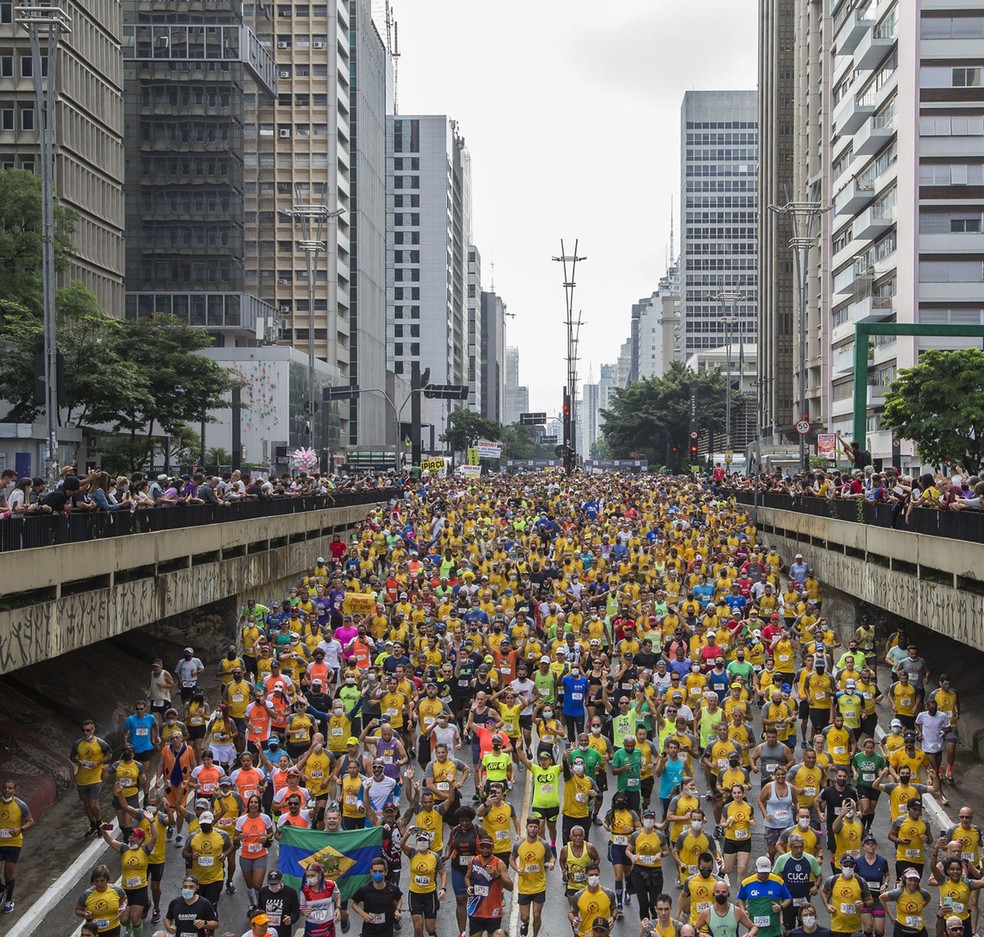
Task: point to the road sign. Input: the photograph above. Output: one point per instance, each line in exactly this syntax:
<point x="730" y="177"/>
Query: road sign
<point x="729" y="457"/>
<point x="548" y="440"/>
<point x="446" y="391"/>
<point x="694" y="435"/>
<point x="532" y="419"/>
<point x="340" y="393"/>
<point x="803" y="427"/>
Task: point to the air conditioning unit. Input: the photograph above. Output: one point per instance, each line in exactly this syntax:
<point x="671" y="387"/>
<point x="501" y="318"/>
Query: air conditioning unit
<point x="284" y="73"/>
<point x="318" y="44"/>
<point x="285" y="309"/>
<point x="284" y="132"/>
<point x="283" y="44"/>
<point x="283" y="281"/>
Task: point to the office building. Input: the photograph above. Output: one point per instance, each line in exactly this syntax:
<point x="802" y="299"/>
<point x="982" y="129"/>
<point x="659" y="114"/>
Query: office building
<point x="719" y="171"/>
<point x="780" y="113"/>
<point x="370" y="99"/>
<point x="738" y="360"/>
<point x="475" y="377"/>
<point x="88" y="141"/>
<point x="658" y="327"/>
<point x="586" y="415"/>
<point x="428" y="207"/>
<point x="906" y="233"/>
<point x="192" y="68"/>
<point x="516" y="397"/>
<point x="493" y="356"/>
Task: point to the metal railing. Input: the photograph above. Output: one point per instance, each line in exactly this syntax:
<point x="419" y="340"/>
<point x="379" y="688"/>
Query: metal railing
<point x="967" y="524"/>
<point x="27" y="531"/>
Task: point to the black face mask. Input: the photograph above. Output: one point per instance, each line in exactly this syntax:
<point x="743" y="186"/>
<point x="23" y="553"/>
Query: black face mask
<point x="721" y="899"/>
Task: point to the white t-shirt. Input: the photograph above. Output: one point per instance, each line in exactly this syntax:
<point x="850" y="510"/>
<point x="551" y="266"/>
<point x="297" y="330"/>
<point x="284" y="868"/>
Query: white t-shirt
<point x="932" y="728"/>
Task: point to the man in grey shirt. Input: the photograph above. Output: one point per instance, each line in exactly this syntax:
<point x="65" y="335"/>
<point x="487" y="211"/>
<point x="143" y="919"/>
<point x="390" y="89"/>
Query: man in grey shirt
<point x="915" y="666"/>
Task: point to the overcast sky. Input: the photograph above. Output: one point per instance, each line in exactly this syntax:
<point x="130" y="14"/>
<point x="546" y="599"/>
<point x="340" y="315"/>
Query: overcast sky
<point x="571" y="112"/>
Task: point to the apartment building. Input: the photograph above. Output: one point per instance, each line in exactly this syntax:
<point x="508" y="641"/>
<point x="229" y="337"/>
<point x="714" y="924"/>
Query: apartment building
<point x="88" y="140"/>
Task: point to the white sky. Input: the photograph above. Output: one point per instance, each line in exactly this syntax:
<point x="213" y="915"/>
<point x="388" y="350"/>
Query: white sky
<point x="571" y="111"/>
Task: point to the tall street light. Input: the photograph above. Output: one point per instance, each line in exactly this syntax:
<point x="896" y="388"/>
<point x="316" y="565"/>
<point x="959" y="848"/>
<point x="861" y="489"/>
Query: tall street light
<point x="49" y="21"/>
<point x="733" y="297"/>
<point x="314" y="220"/>
<point x="802" y="217"/>
<point x="573" y="337"/>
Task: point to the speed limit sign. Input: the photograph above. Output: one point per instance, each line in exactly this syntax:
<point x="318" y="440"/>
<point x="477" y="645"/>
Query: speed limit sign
<point x="803" y="427"/>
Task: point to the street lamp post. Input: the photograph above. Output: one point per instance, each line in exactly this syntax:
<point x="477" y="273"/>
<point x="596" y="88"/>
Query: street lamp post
<point x="314" y="220"/>
<point x="733" y="297"/>
<point x="573" y="337"/>
<point x="51" y="21"/>
<point x="802" y="218"/>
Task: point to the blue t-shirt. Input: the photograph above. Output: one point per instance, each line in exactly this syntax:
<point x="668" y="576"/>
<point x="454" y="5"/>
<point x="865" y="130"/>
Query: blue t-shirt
<point x="672" y="775"/>
<point x="139" y="728"/>
<point x="575" y="689"/>
<point x="872" y="873"/>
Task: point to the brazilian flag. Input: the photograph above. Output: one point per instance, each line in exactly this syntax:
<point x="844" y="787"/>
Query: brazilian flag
<point x="345" y="856"/>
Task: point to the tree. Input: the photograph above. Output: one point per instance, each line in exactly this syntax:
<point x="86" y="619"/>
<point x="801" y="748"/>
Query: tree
<point x="652" y="416"/>
<point x="20" y="241"/>
<point x="466" y="427"/>
<point x="520" y="442"/>
<point x="939" y="404"/>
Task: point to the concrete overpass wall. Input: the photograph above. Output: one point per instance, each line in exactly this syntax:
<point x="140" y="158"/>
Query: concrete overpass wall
<point x="60" y="598"/>
<point x="933" y="581"/>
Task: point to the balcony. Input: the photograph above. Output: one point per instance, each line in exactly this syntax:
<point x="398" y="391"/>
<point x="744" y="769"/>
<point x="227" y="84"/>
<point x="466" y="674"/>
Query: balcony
<point x="873" y="222"/>
<point x="872" y="51"/>
<point x="853" y="197"/>
<point x="874" y="134"/>
<point x="876" y="396"/>
<point x="842" y="360"/>
<point x="850" y="114"/>
<point x="869" y="309"/>
<point x="851" y="32"/>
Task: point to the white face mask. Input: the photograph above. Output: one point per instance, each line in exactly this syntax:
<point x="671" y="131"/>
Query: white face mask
<point x="312" y="881"/>
<point x="7" y="799"/>
<point x="803" y="822"/>
<point x="848" y="872"/>
<point x="337" y="710"/>
<point x="648" y="824"/>
<point x="150" y="811"/>
<point x="596" y="730"/>
<point x="579" y="770"/>
<point x="594" y="880"/>
<point x="548" y="714"/>
<point x="809" y="921"/>
<point x="695" y="824"/>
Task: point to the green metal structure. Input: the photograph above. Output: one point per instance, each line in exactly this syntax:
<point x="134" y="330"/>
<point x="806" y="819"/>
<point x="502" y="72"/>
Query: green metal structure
<point x="863" y="330"/>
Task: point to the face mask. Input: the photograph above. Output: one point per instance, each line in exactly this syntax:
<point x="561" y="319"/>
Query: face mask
<point x="695" y="824"/>
<point x="7" y="799"/>
<point x="337" y="710"/>
<point x="231" y="655"/>
<point x="187" y="893"/>
<point x="596" y="730"/>
<point x="378" y="876"/>
<point x="350" y="681"/>
<point x="312" y="881"/>
<point x="548" y="714"/>
<point x="150" y="811"/>
<point x="721" y="899"/>
<point x="187" y="657"/>
<point x="803" y="822"/>
<point x="705" y="873"/>
<point x="809" y="921"/>
<point x="848" y="872"/>
<point x="594" y="880"/>
<point x="579" y="770"/>
<point x="648" y="824"/>
<point x="850" y="814"/>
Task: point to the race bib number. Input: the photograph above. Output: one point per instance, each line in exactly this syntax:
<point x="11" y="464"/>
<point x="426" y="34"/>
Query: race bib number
<point x="422" y="880"/>
<point x="336" y="732"/>
<point x="913" y="853"/>
<point x="480" y="891"/>
<point x="299" y="735"/>
<point x="810" y="791"/>
<point x="914" y="921"/>
<point x="206" y="861"/>
<point x="546" y="788"/>
<point x="957" y="907"/>
<point x="443" y="786"/>
<point x="429" y="720"/>
<point x="781" y="816"/>
<point x="6" y="834"/>
<point x="620" y="840"/>
<point x="741" y="834"/>
<point x="702" y="905"/>
<point x="351" y="801"/>
<point x="821" y="695"/>
<point x="547" y="738"/>
<point x="533" y="868"/>
<point x="581" y="797"/>
<point x="143" y="731"/>
<point x="387" y="759"/>
<point x="392" y="711"/>
<point x="501" y="834"/>
<point x="509" y="727"/>
<point x="102" y="923"/>
<point x="132" y="882"/>
<point x="840" y="750"/>
<point x="319" y="915"/>
<point x="868" y="777"/>
<point x="580" y="876"/>
<point x="799" y="902"/>
<point x="374" y="917"/>
<point x="576" y="697"/>
<point x="646" y="860"/>
<point x="967" y="856"/>
<point x="254" y="847"/>
<point x="848" y="907"/>
<point x="237" y="697"/>
<point x="188" y="684"/>
<point x="633" y="782"/>
<point x="761" y="920"/>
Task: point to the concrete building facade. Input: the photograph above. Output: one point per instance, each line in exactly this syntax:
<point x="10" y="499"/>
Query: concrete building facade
<point x="476" y="378"/>
<point x="493" y="356"/>
<point x="658" y="328"/>
<point x="428" y="204"/>
<point x="88" y="142"/>
<point x="719" y="172"/>
<point x="516" y="397"/>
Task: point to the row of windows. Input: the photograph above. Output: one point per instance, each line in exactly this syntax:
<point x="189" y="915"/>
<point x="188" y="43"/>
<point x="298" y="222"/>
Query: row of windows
<point x="722" y="125"/>
<point x="302" y="10"/>
<point x="400" y="274"/>
<point x="412" y="348"/>
<point x="288" y="40"/>
<point x="951" y="271"/>
<point x="10" y="120"/>
<point x="410" y="312"/>
<point x="406" y="218"/>
<point x="952" y="27"/>
<point x="286" y="160"/>
<point x="952" y="125"/>
<point x="722" y="139"/>
<point x="718" y="234"/>
<point x="722" y="201"/>
<point x="721" y="185"/>
<point x="722" y="263"/>
<point x="406" y="201"/>
<point x="967" y="221"/>
<point x="406" y="237"/>
<point x="401" y="292"/>
<point x="26" y="65"/>
<point x="728" y="153"/>
<point x="302" y="100"/>
<point x="721" y="217"/>
<point x="722" y="280"/>
<point x="721" y="247"/>
<point x="944" y="77"/>
<point x="302" y="70"/>
<point x="413" y="331"/>
<point x="721" y="169"/>
<point x="406" y="182"/>
<point x="951" y="174"/>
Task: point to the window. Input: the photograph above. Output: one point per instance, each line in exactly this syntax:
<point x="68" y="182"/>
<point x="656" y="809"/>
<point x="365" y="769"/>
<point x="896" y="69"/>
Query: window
<point x="6" y="12"/>
<point x="967" y="77"/>
<point x="951" y="271"/>
<point x="6" y="66"/>
<point x="27" y="118"/>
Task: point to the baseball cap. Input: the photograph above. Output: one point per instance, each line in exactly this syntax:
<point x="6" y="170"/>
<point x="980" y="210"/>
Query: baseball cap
<point x="225" y="782"/>
<point x="913" y="802"/>
<point x="848" y="860"/>
<point x="910" y="873"/>
<point x="202" y="803"/>
<point x="137" y="832"/>
<point x="600" y="923"/>
<point x="544" y="659"/>
<point x="786" y="688"/>
<point x="352" y="740"/>
<point x="762" y="864"/>
<point x="207" y="817"/>
<point x="189" y="650"/>
<point x="275" y="876"/>
<point x="850" y="683"/>
<point x="896" y="723"/>
<point x="260" y="918"/>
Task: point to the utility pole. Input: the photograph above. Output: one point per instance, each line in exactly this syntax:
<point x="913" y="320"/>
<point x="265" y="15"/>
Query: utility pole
<point x="733" y="297"/>
<point x="573" y="337"/>
<point x="314" y="220"/>
<point x="802" y="217"/>
<point x="49" y="20"/>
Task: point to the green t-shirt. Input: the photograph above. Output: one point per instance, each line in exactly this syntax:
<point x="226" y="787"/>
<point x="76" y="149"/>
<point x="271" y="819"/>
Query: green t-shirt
<point x="591" y="761"/>
<point x="743" y="670"/>
<point x="628" y="780"/>
<point x="546" y="785"/>
<point x="868" y="767"/>
<point x="544" y="682"/>
<point x="496" y="766"/>
<point x="624" y="724"/>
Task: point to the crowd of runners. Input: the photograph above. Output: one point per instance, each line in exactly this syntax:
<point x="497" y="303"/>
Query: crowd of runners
<point x="621" y="657"/>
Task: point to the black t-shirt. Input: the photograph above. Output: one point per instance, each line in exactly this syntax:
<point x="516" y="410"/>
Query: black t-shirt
<point x="278" y="905"/>
<point x="183" y="915"/>
<point x="56" y="500"/>
<point x="379" y="904"/>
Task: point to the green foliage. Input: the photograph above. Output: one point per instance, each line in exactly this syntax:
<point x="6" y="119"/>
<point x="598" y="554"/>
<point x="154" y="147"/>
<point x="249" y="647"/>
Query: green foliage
<point x="939" y="404"/>
<point x="466" y="427"/>
<point x="520" y="442"/>
<point x="20" y="240"/>
<point x="653" y="416"/>
<point x="601" y="449"/>
<point x="218" y="456"/>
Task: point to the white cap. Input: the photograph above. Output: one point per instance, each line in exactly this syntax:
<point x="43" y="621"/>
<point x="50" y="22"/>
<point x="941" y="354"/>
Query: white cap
<point x="544" y="659"/>
<point x="206" y="817"/>
<point x="762" y="864"/>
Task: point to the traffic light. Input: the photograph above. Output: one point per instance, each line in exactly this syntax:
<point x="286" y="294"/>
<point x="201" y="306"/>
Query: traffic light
<point x="693" y="444"/>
